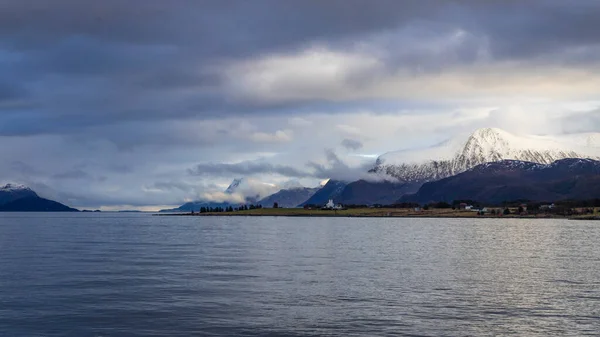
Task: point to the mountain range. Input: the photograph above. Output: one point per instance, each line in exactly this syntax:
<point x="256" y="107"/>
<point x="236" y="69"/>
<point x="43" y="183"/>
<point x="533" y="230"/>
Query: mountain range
<point x="508" y="180"/>
<point x="289" y="198"/>
<point x="241" y="191"/>
<point x="409" y="170"/>
<point x="331" y="190"/>
<point x="404" y="172"/>
<point x="20" y="198"/>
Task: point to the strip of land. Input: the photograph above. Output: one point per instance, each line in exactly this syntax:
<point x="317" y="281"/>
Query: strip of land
<point x="383" y="212"/>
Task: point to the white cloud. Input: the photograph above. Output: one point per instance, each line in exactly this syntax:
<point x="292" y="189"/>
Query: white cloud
<point x="454" y="65"/>
<point x="314" y="72"/>
<point x="299" y="122"/>
<point x="217" y="196"/>
<point x="349" y="130"/>
<point x="279" y="136"/>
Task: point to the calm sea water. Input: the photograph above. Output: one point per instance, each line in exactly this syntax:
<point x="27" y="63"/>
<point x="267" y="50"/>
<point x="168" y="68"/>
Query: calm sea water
<point x="137" y="275"/>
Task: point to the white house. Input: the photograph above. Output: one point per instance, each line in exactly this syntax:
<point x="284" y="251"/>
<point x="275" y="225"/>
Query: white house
<point x="331" y="205"/>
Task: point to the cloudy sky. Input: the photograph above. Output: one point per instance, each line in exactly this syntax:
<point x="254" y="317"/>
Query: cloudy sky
<point x="143" y="104"/>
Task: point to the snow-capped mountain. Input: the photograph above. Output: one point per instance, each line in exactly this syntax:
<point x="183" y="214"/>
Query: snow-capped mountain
<point x="11" y="192"/>
<point x="20" y="198"/>
<point x="482" y="146"/>
<point x="509" y="180"/>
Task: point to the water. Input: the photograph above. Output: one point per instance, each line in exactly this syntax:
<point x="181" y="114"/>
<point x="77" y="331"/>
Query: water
<point x="138" y="275"/>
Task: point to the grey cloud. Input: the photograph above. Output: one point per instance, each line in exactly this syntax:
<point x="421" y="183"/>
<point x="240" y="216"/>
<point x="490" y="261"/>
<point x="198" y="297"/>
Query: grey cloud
<point x="10" y="92"/>
<point x="337" y="169"/>
<point x="352" y="144"/>
<point x="85" y="64"/>
<point x="170" y="185"/>
<point x="73" y="174"/>
<point x="334" y="168"/>
<point x="99" y="79"/>
<point x="588" y="121"/>
<point x="24" y="168"/>
<point x="247" y="168"/>
<point x="120" y="168"/>
<point x="546" y="27"/>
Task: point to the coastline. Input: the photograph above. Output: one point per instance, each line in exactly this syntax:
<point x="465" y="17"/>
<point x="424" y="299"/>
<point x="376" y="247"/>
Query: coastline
<point x="377" y="213"/>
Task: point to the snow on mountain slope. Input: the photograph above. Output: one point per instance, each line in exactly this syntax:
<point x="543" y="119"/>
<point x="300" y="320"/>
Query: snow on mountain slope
<point x="14" y="187"/>
<point x="484" y="145"/>
<point x="11" y="192"/>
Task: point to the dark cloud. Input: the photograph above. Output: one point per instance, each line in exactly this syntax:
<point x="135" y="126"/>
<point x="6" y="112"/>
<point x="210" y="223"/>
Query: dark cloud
<point x="96" y="79"/>
<point x="81" y="64"/>
<point x="9" y="92"/>
<point x="24" y="168"/>
<point x="516" y="30"/>
<point x="352" y="144"/>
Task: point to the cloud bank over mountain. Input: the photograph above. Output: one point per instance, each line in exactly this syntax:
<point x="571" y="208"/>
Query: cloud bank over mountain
<point x="147" y="103"/>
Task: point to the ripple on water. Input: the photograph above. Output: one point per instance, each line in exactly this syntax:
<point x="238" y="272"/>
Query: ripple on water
<point x="104" y="275"/>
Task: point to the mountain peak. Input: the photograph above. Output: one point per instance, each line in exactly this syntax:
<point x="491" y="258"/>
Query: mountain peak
<point x="483" y="145"/>
<point x="234" y="185"/>
<point x="490" y="135"/>
<point x="485" y="132"/>
<point x="13" y="187"/>
<point x="12" y="192"/>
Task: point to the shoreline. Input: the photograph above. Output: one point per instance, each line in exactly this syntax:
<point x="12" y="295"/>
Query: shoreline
<point x="376" y="213"/>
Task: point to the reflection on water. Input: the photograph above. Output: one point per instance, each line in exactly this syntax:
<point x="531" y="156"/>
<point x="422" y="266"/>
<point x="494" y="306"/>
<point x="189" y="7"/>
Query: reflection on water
<point x="137" y="275"/>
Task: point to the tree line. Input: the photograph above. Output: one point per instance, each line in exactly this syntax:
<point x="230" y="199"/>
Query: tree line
<point x="219" y="209"/>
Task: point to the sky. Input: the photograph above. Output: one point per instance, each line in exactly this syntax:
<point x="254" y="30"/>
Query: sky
<point x="148" y="104"/>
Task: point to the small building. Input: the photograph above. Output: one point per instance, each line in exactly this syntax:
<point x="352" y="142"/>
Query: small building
<point x="331" y="205"/>
<point x="462" y="205"/>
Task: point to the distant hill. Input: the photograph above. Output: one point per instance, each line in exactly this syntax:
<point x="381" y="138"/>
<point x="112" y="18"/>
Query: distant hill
<point x="289" y="198"/>
<point x="252" y="189"/>
<point x="512" y="180"/>
<point x="20" y="198"/>
<point x="331" y="190"/>
<point x="35" y="204"/>
<point x="364" y="192"/>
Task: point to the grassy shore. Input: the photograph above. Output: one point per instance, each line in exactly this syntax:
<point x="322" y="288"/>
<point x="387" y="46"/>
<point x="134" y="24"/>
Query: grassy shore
<point x="368" y="212"/>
